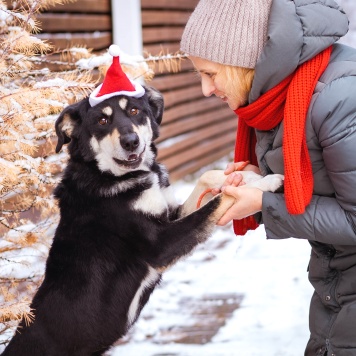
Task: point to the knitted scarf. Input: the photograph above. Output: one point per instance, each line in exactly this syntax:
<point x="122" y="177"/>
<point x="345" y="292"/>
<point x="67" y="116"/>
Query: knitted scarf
<point x="288" y="101"/>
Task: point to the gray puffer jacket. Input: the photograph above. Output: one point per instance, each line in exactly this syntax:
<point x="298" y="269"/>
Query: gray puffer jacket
<point x="298" y="30"/>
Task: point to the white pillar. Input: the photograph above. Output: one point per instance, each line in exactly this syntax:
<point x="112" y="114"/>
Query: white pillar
<point x="127" y="25"/>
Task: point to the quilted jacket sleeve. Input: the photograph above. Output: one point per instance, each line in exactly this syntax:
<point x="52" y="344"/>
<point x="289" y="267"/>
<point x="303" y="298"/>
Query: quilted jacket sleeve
<point x="330" y="220"/>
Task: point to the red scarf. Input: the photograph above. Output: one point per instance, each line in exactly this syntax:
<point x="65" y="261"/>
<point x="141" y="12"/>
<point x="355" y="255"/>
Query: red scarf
<point x="288" y="101"/>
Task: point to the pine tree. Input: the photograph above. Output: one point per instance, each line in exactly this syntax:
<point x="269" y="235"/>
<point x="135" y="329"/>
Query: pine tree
<point x="30" y="98"/>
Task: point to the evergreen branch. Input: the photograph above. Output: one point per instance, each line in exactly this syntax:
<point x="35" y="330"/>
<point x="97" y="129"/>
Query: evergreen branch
<point x="177" y="56"/>
<point x="23" y="210"/>
<point x="10" y="261"/>
<point x="9" y="280"/>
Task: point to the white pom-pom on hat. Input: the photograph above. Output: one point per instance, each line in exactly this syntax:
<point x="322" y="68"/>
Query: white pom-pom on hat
<point x="115" y="50"/>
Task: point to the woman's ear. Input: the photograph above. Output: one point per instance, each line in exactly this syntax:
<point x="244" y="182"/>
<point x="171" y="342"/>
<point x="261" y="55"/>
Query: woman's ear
<point x="155" y="99"/>
<point x="68" y="120"/>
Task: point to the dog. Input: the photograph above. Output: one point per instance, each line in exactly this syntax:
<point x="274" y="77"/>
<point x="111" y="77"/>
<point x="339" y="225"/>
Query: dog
<point x="120" y="228"/>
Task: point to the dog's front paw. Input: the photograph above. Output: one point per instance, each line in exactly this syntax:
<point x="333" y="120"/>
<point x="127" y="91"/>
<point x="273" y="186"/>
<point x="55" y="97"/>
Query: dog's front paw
<point x="270" y="183"/>
<point x="273" y="182"/>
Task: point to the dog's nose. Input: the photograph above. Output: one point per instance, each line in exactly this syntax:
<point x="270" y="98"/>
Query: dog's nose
<point x="129" y="141"/>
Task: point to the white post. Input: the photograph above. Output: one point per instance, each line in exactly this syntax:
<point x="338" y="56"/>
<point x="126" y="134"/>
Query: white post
<point x="127" y="25"/>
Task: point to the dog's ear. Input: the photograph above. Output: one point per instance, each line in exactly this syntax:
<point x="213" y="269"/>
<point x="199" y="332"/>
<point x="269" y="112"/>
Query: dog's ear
<point x="155" y="100"/>
<point x="67" y="121"/>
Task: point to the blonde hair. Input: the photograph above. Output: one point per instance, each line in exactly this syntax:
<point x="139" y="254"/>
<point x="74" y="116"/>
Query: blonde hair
<point x="238" y="79"/>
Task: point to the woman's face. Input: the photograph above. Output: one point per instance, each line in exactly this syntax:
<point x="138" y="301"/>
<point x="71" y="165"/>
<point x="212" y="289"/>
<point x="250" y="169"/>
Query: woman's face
<point x="215" y="81"/>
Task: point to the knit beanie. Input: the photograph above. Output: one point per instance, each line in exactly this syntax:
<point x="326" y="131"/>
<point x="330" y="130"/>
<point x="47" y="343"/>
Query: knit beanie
<point x="229" y="32"/>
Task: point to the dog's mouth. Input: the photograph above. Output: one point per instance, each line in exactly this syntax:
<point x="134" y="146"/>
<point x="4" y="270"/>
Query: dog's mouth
<point x="132" y="161"/>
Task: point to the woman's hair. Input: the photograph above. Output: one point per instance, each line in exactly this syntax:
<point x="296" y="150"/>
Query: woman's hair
<point x="239" y="79"/>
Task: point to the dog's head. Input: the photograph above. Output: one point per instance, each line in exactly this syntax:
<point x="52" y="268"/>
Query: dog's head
<point x="117" y="133"/>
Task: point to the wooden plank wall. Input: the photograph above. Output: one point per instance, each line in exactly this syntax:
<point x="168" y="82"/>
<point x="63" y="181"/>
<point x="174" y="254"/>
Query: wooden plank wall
<point x="80" y="23"/>
<point x="195" y="130"/>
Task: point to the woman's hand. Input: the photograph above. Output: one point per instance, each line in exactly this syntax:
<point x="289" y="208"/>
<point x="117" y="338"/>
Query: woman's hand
<point x="232" y="167"/>
<point x="233" y="178"/>
<point x="248" y="199"/>
<point x="248" y="202"/>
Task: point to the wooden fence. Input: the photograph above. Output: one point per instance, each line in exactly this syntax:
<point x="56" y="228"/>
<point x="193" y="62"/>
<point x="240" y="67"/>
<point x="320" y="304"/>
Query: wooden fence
<point x="81" y="23"/>
<point x="195" y="130"/>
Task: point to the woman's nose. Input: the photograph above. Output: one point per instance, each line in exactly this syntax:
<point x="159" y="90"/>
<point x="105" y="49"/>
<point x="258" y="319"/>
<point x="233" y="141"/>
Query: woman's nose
<point x="207" y="86"/>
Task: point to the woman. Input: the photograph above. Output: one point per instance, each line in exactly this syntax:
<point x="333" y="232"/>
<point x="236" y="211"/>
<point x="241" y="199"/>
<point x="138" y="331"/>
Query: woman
<point x="276" y="63"/>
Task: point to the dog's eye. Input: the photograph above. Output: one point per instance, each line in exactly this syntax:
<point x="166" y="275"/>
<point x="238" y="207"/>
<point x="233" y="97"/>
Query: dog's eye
<point x="103" y="121"/>
<point x="134" y="111"/>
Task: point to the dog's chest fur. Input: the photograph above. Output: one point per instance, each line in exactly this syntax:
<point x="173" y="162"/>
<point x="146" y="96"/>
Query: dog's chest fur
<point x="158" y="199"/>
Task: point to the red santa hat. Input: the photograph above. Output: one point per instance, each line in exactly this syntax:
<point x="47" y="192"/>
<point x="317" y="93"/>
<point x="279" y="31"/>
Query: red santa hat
<point x="115" y="82"/>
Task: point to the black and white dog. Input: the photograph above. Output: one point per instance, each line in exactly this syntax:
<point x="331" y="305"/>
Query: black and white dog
<point x="119" y="229"/>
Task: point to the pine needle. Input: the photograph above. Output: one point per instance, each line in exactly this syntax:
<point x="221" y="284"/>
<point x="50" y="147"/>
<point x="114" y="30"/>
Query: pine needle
<point x="17" y="311"/>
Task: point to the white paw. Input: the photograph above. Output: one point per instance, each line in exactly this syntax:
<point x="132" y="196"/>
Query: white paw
<point x="272" y="182"/>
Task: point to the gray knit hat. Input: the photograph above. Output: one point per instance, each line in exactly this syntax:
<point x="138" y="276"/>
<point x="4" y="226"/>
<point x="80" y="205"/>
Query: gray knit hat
<point x="227" y="31"/>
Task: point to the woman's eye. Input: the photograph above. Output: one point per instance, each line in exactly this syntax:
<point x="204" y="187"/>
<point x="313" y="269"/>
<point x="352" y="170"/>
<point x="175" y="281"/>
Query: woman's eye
<point x="103" y="121"/>
<point x="134" y="111"/>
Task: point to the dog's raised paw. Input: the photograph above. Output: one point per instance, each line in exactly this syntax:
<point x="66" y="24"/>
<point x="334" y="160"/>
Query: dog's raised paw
<point x="273" y="182"/>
